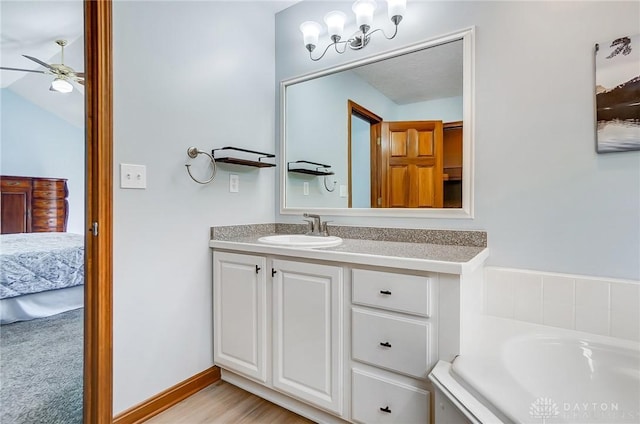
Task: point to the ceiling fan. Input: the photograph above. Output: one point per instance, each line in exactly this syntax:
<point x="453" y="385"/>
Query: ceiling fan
<point x="63" y="74"/>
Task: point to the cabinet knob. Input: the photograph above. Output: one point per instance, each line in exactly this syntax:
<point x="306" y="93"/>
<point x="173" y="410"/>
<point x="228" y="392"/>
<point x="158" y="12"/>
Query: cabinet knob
<point x="387" y="292"/>
<point x="385" y="344"/>
<point x="386" y="409"/>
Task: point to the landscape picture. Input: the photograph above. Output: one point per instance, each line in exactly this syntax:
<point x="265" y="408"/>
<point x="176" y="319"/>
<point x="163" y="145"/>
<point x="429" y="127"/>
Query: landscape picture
<point x="618" y="94"/>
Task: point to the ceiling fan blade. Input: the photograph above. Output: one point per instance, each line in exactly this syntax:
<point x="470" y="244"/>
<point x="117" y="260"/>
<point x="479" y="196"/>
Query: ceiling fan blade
<point x="79" y="74"/>
<point x="46" y="65"/>
<point x="80" y="81"/>
<point x="24" y="70"/>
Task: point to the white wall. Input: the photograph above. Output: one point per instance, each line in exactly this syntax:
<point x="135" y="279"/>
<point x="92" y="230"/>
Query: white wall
<point x="185" y="73"/>
<point x="546" y="199"/>
<point x="37" y="143"/>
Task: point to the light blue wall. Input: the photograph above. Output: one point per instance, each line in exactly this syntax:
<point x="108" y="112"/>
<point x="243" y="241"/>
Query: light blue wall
<point x="186" y="73"/>
<point x="547" y="200"/>
<point x="319" y="130"/>
<point x="360" y="163"/>
<point x="36" y="143"/>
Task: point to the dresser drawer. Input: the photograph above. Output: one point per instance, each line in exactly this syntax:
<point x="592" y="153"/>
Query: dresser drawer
<point x="48" y="224"/>
<point x="48" y="204"/>
<point x="14" y="183"/>
<point x="396" y="292"/>
<point x="398" y="344"/>
<point x="49" y="185"/>
<point x="47" y="213"/>
<point x="49" y="194"/>
<point x="378" y="400"/>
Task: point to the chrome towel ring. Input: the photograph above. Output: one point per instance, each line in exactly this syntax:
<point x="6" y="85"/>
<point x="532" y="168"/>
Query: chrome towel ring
<point x="193" y="153"/>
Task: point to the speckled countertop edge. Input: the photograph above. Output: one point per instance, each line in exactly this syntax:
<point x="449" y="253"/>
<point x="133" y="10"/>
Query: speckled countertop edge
<point x="469" y="238"/>
<point x="410" y="254"/>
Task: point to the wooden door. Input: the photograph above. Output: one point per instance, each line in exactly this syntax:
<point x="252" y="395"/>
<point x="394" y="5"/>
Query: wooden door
<point x="307" y="337"/>
<point x="240" y="314"/>
<point x="412" y="162"/>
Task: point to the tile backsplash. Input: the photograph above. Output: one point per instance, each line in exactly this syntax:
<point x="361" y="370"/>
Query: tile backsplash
<point x="602" y="306"/>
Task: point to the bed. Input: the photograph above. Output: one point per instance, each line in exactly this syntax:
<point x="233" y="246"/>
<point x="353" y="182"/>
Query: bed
<point x="41" y="265"/>
<point x="41" y="274"/>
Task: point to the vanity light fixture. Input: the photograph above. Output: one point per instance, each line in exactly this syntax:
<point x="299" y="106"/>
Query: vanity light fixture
<point x="335" y="21"/>
<point x="61" y="85"/>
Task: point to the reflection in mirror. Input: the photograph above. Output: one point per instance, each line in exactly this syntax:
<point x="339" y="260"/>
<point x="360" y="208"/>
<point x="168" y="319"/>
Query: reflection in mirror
<point x="393" y="131"/>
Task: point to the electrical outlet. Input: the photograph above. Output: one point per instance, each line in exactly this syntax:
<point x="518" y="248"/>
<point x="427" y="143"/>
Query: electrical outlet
<point x="133" y="176"/>
<point x="344" y="191"/>
<point x="305" y="188"/>
<point x="234" y="183"/>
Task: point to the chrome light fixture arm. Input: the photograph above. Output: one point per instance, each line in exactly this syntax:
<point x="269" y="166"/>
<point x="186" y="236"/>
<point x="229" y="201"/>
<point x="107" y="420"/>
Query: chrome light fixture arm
<point x="335" y="20"/>
<point x="356" y="42"/>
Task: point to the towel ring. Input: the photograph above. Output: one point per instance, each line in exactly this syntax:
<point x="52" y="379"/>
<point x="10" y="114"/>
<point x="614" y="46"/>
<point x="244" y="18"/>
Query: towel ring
<point x="327" y="188"/>
<point x="193" y="153"/>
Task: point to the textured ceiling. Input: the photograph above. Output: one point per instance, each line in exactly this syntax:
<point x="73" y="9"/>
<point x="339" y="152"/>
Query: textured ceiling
<point x="432" y="73"/>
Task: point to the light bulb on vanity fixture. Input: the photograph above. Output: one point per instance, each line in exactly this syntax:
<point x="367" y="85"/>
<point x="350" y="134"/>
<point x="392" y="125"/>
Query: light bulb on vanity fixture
<point x="61" y="85"/>
<point x="335" y="20"/>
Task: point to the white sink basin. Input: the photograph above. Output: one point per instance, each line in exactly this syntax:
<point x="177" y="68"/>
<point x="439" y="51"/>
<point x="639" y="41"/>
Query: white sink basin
<point x="301" y="240"/>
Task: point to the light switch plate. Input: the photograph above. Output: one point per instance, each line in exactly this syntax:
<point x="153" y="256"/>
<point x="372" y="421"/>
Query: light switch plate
<point x="344" y="191"/>
<point x="305" y="188"/>
<point x="133" y="176"/>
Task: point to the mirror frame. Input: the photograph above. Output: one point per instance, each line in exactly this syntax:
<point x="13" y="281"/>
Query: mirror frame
<point x="467" y="35"/>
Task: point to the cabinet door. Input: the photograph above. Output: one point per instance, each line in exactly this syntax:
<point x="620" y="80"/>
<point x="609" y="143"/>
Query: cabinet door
<point x="16" y="205"/>
<point x="240" y="312"/>
<point x="307" y="336"/>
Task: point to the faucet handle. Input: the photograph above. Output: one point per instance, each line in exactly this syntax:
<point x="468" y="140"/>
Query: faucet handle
<point x="324" y="229"/>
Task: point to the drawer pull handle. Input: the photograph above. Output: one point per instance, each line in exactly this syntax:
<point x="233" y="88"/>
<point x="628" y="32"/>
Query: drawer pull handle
<point x="257" y="269"/>
<point x="387" y="292"/>
<point x="385" y="344"/>
<point x="386" y="409"/>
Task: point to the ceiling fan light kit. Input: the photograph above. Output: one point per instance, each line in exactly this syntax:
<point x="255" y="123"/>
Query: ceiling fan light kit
<point x="63" y="74"/>
<point x="61" y="85"/>
<point x="335" y="20"/>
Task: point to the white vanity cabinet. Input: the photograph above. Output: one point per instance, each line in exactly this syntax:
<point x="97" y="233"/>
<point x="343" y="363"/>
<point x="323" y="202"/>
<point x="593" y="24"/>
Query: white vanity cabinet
<point x="335" y="337"/>
<point x="240" y="314"/>
<point x="307" y="332"/>
<point x="278" y="322"/>
<point x="394" y="346"/>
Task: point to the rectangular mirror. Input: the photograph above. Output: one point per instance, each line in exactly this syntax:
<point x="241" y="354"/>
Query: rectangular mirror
<point x="390" y="135"/>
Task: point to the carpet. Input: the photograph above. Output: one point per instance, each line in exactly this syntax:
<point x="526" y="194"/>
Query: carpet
<point x="41" y="368"/>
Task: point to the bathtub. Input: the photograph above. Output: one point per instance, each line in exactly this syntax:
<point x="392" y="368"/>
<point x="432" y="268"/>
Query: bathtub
<point x="512" y="371"/>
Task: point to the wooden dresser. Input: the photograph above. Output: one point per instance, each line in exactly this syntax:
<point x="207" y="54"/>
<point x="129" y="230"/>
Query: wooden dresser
<point x="33" y="204"/>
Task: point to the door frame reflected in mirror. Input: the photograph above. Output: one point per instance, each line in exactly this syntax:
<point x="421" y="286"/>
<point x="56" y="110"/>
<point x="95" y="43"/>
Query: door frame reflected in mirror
<point x="467" y="210"/>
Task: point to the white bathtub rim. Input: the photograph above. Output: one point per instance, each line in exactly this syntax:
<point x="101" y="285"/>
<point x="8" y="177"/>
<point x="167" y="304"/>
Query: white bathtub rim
<point x="480" y="366"/>
<point x="474" y="410"/>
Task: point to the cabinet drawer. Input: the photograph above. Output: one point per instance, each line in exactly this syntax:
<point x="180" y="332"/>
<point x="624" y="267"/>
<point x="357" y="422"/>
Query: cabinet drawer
<point x="48" y="204"/>
<point x="48" y="194"/>
<point x="378" y="400"/>
<point x="48" y="185"/>
<point x="47" y="213"/>
<point x="398" y="344"/>
<point x="47" y="225"/>
<point x="396" y="292"/>
<point x="14" y="183"/>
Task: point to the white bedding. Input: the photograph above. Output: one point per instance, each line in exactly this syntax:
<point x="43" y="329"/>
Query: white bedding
<point x="40" y="305"/>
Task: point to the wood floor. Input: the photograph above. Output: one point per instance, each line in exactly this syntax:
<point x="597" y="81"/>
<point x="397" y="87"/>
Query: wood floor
<point x="224" y="403"/>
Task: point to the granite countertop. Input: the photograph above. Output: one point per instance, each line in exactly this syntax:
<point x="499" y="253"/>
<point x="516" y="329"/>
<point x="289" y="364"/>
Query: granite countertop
<point x="408" y="255"/>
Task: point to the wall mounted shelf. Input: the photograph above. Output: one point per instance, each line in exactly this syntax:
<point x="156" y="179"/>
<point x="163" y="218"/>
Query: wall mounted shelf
<point x="244" y="162"/>
<point x="299" y="168"/>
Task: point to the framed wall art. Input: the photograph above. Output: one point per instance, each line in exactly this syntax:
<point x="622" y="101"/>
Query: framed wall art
<point x="618" y="94"/>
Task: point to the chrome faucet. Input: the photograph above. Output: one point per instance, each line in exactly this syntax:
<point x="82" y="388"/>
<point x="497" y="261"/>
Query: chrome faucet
<point x="316" y="226"/>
